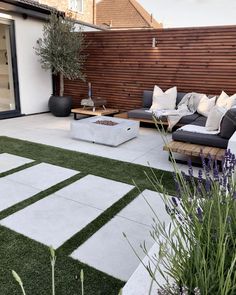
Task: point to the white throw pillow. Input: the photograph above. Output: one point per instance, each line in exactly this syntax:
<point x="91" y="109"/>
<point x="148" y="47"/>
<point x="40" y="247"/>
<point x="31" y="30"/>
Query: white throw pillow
<point x="214" y="118"/>
<point x="164" y="100"/>
<point x="226" y="101"/>
<point x="205" y="105"/>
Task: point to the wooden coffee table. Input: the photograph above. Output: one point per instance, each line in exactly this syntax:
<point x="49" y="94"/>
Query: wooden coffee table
<point x="90" y="112"/>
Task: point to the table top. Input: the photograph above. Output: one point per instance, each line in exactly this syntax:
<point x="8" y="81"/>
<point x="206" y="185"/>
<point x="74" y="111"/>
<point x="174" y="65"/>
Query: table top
<point x="97" y="112"/>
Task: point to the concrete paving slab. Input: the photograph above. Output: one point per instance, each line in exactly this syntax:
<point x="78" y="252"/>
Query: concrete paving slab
<point x="12" y="193"/>
<point x="112" y="253"/>
<point x="139" y="210"/>
<point x="42" y="176"/>
<point x="9" y="162"/>
<point x="95" y="191"/>
<point x="51" y="221"/>
<point x="108" y="251"/>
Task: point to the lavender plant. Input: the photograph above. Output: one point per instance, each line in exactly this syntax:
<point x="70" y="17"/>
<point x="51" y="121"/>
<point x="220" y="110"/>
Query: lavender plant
<point x="198" y="248"/>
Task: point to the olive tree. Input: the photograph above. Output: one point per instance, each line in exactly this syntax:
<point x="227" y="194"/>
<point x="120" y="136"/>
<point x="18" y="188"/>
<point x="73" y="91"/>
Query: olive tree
<point x="61" y="49"/>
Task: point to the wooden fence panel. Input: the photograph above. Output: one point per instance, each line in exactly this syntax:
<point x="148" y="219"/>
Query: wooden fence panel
<point x="121" y="64"/>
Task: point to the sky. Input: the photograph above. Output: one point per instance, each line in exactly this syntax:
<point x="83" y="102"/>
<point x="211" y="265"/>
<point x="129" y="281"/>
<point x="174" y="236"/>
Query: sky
<point x="192" y="13"/>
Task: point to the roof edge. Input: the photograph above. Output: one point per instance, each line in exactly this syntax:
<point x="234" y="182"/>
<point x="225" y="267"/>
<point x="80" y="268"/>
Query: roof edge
<point x="137" y="7"/>
<point x="39" y="11"/>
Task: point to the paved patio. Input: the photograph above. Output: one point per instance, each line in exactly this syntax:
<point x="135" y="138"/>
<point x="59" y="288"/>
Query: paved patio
<point x="59" y="216"/>
<point x="47" y="129"/>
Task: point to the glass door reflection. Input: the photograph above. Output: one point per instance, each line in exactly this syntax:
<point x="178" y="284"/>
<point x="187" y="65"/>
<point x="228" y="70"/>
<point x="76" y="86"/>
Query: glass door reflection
<point x="7" y="95"/>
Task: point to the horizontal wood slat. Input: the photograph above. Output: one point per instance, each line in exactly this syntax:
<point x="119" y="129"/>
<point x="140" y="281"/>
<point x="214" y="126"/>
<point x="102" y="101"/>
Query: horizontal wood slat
<point x="121" y="64"/>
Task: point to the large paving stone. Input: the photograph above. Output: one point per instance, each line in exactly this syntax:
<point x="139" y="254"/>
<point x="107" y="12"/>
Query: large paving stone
<point x="8" y="162"/>
<point x="107" y="250"/>
<point x="51" y="221"/>
<point x="42" y="176"/>
<point x="95" y="191"/>
<point x="58" y="217"/>
<point x="12" y="193"/>
<point x="145" y="207"/>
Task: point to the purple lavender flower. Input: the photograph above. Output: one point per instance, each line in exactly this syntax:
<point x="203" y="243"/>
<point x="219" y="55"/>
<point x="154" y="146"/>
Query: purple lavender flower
<point x="190" y="168"/>
<point x="208" y="185"/>
<point x="216" y="176"/>
<point x="200" y="173"/>
<point x="174" y="201"/>
<point x="199" y="214"/>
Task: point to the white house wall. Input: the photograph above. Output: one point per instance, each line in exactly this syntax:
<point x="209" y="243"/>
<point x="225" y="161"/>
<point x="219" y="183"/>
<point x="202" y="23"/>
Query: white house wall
<point x="35" y="84"/>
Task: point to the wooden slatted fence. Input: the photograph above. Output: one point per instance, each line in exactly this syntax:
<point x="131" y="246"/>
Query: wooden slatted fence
<point x="121" y="64"/>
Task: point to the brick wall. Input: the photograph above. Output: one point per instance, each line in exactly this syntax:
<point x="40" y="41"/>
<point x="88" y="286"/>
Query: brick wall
<point x="63" y="5"/>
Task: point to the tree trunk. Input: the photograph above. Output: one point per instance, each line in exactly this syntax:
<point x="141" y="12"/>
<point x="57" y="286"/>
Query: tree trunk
<point x="61" y="84"/>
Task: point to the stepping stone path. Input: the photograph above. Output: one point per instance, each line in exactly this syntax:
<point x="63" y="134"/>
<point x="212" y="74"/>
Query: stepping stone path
<point x="56" y="218"/>
<point x="8" y="162"/>
<point x="107" y="250"/>
<point x="26" y="183"/>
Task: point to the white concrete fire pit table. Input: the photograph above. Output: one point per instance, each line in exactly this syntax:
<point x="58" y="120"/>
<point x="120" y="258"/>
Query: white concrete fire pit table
<point x="105" y="130"/>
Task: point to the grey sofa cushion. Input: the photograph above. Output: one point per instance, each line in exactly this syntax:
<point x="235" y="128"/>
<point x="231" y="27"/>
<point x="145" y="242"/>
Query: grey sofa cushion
<point x="200" y="121"/>
<point x="228" y="124"/>
<point x="201" y="139"/>
<point x="147" y="98"/>
<point x="142" y="114"/>
<point x="180" y="95"/>
<point x="189" y="119"/>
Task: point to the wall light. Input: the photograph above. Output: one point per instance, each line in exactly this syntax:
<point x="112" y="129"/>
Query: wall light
<point x="154" y="42"/>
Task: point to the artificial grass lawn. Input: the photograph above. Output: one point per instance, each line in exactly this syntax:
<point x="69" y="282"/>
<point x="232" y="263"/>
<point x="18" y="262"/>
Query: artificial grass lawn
<point x="30" y="258"/>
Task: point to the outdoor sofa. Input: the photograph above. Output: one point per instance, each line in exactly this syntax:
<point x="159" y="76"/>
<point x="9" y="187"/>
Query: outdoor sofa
<point x="192" y="143"/>
<point x="142" y="115"/>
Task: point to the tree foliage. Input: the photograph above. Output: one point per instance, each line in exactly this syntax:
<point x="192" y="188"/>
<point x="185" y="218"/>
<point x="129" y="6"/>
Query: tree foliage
<point x="61" y="49"/>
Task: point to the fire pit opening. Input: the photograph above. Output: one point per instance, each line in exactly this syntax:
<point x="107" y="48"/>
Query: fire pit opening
<point x="106" y="122"/>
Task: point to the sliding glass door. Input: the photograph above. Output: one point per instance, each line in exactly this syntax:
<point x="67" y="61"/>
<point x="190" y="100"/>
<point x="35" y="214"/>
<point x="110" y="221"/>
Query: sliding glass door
<point x="9" y="96"/>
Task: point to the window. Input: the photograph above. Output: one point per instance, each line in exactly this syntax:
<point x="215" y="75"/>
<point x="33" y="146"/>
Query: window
<point x="76" y="5"/>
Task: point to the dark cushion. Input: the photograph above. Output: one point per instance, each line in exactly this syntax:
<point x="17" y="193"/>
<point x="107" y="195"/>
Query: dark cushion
<point x="189" y="119"/>
<point x="201" y="139"/>
<point x="180" y="95"/>
<point x="147" y="98"/>
<point x="142" y="114"/>
<point x="228" y="124"/>
<point x="200" y="121"/>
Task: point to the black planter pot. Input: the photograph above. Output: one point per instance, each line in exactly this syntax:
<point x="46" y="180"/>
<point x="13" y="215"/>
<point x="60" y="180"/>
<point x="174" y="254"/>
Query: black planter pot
<point x="60" y="106"/>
